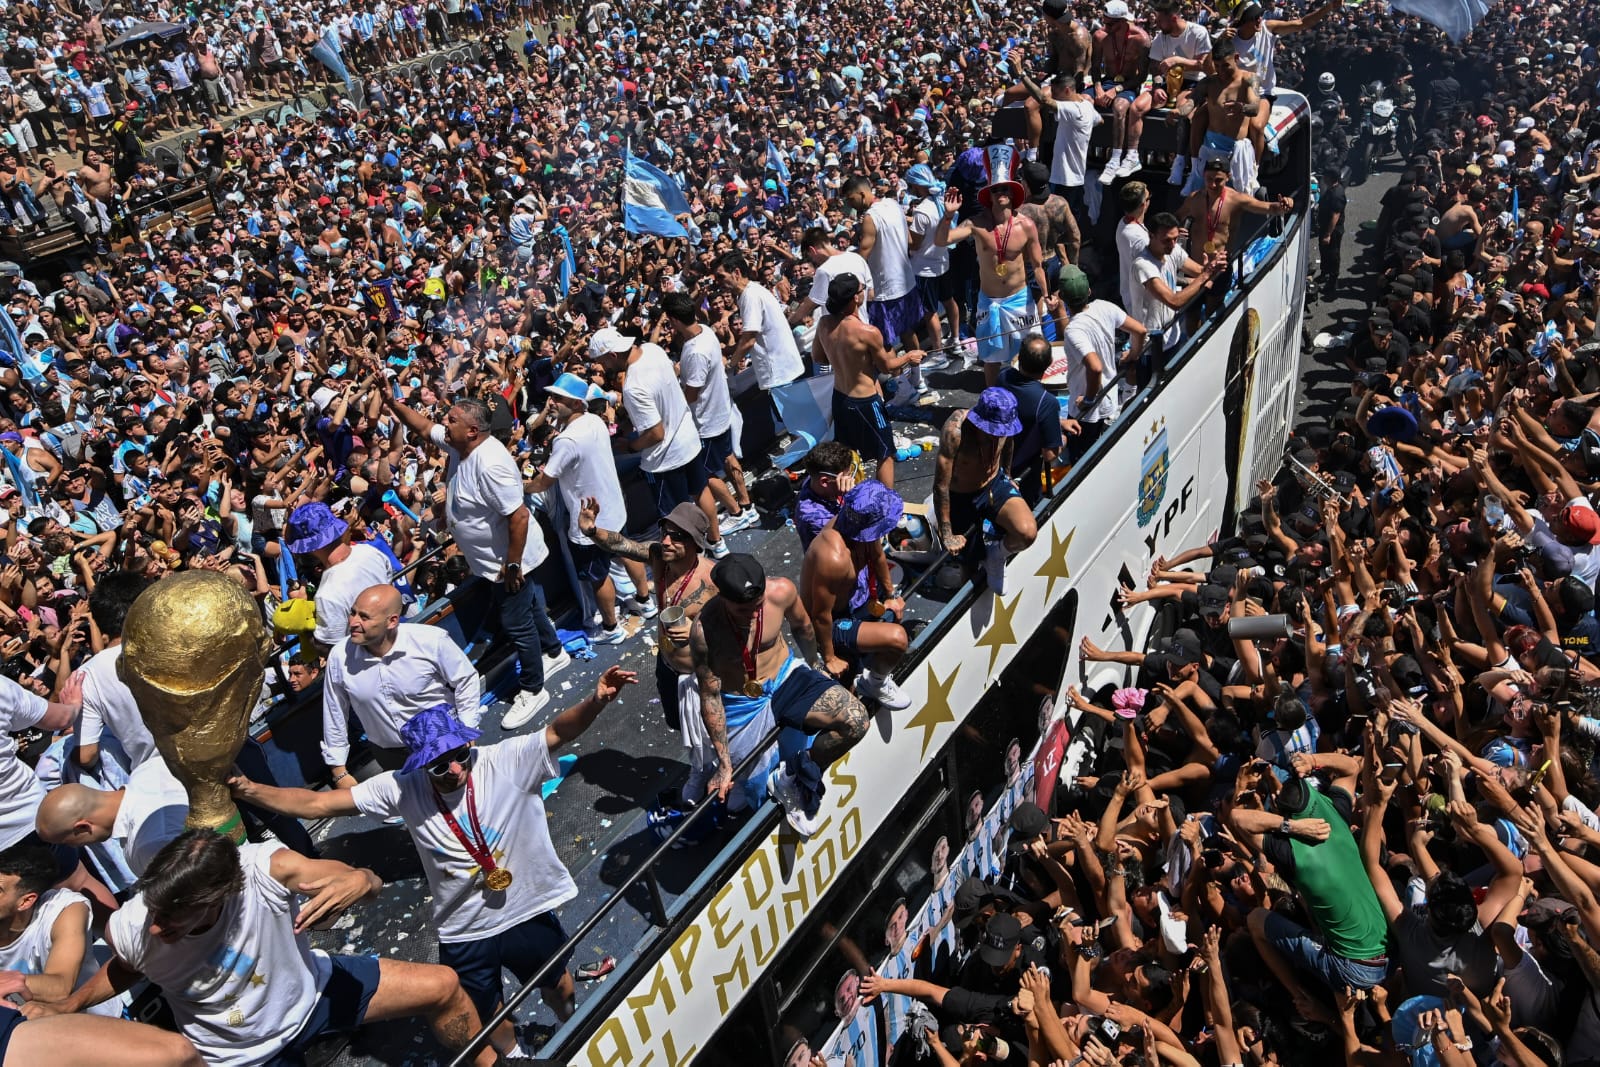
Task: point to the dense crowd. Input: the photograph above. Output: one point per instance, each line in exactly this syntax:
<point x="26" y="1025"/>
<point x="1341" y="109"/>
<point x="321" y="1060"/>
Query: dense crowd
<point x="408" y="315"/>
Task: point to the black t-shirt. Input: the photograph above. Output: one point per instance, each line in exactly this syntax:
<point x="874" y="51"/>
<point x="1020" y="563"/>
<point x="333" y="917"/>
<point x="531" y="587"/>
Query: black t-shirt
<point x="1040" y="415"/>
<point x="1334" y="201"/>
<point x="1446" y="93"/>
<point x="213" y="147"/>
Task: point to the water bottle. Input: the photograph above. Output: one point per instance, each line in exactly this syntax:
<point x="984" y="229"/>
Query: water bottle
<point x="1494" y="510"/>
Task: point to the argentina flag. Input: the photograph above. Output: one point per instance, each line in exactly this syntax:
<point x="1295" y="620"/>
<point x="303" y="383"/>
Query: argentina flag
<point x="651" y="200"/>
<point x="776" y="164"/>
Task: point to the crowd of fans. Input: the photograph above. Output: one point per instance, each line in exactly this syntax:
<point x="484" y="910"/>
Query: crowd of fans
<point x="1369" y="836"/>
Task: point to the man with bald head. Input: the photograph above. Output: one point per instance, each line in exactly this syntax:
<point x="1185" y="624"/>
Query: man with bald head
<point x="141" y="817"/>
<point x="385" y="672"/>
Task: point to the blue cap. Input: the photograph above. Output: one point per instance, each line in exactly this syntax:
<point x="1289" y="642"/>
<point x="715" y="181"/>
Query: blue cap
<point x="571" y="386"/>
<point x="432" y="732"/>
<point x="869" y="512"/>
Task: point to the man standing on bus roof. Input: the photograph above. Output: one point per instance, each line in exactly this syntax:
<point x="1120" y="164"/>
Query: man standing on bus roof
<point x="858" y="354"/>
<point x="1227" y="103"/>
<point x="1212" y="210"/>
<point x="971" y="486"/>
<point x="848" y="590"/>
<point x="476" y="817"/>
<point x="680" y="565"/>
<point x="750" y="680"/>
<point x="1008" y="256"/>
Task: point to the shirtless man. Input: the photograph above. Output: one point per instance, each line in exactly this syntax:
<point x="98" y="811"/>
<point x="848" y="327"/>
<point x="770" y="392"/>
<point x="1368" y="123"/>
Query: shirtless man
<point x="680" y="567"/>
<point x="1051" y="215"/>
<point x="1071" y="45"/>
<point x="848" y="591"/>
<point x="971" y="483"/>
<point x="1121" y="52"/>
<point x="855" y="351"/>
<point x="1008" y="256"/>
<point x="750" y="680"/>
<point x="1459" y="225"/>
<point x="1209" y="214"/>
<point x="1226" y="105"/>
<point x="97" y="179"/>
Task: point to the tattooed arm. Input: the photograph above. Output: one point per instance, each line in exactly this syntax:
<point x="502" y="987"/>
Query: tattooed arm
<point x="614" y="543"/>
<point x="1070" y="241"/>
<point x="716" y="719"/>
<point x="943" y="470"/>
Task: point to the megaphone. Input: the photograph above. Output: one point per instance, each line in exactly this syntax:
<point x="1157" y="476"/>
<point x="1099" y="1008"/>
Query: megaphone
<point x="1260" y="628"/>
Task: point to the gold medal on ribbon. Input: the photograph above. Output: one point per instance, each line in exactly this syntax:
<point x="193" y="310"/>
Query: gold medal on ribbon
<point x="1000" y="268"/>
<point x="752" y="688"/>
<point x="498" y="880"/>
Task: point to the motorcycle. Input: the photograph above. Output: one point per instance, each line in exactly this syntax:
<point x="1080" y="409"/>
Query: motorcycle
<point x="1377" y="138"/>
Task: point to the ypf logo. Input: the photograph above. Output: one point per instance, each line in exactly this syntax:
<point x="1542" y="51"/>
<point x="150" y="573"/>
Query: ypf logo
<point x="1153" y="472"/>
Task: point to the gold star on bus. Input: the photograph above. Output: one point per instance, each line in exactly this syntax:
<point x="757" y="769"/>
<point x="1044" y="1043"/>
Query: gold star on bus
<point x="1055" y="563"/>
<point x="935" y="709"/>
<point x="1000" y="633"/>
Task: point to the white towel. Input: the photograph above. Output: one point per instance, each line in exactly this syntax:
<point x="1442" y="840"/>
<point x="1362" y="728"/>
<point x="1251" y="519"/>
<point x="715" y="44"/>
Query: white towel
<point x="702" y="757"/>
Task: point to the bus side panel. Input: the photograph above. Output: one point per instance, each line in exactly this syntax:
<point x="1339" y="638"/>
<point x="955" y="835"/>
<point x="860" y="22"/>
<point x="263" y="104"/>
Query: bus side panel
<point x="1162" y="484"/>
<point x="1272" y="377"/>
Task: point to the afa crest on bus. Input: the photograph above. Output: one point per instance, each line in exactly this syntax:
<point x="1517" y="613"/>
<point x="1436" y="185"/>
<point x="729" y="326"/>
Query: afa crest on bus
<point x="1153" y="472"/>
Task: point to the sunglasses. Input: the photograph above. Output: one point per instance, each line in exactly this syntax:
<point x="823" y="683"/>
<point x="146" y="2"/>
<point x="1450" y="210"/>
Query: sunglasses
<point x="672" y="533"/>
<point x="440" y="768"/>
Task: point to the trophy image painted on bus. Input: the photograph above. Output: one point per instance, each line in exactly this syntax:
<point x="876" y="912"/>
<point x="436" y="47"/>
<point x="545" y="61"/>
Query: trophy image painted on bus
<point x="194" y="654"/>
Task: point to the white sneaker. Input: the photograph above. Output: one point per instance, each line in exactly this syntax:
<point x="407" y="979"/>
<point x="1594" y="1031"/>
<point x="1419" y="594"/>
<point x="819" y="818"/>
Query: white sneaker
<point x="1180" y="168"/>
<point x="720" y="549"/>
<point x="994" y="564"/>
<point x="556" y="663"/>
<point x="969" y="352"/>
<point x="644" y="607"/>
<point x="882" y="691"/>
<point x="742" y="521"/>
<point x="614" y="636"/>
<point x="524" y="708"/>
<point x="1130" y="165"/>
<point x="936" y="360"/>
<point x="1112" y="167"/>
<point x="787" y="792"/>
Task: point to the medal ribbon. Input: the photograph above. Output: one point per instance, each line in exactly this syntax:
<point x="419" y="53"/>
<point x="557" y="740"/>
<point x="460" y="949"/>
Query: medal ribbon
<point x="747" y="651"/>
<point x="1003" y="244"/>
<point x="683" y="586"/>
<point x="477" y="845"/>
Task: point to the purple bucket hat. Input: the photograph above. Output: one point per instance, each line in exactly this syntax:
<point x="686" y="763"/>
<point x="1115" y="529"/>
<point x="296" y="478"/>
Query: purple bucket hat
<point x="995" y="413"/>
<point x="432" y="732"/>
<point x="869" y="512"/>
<point x="312" y="527"/>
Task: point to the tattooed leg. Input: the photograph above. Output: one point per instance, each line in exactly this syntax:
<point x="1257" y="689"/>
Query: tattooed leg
<point x="838" y="720"/>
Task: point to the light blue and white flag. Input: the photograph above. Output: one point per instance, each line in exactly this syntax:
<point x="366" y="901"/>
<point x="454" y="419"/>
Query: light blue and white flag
<point x="1455" y="17"/>
<point x="568" y="266"/>
<point x="651" y="200"/>
<point x="776" y="164"/>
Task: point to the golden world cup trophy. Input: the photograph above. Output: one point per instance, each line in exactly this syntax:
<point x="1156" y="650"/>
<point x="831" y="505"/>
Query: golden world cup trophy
<point x="194" y="654"/>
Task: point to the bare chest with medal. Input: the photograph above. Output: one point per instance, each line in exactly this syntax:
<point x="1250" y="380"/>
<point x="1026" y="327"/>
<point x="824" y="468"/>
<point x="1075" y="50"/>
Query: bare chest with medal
<point x="1002" y="245"/>
<point x="496" y="878"/>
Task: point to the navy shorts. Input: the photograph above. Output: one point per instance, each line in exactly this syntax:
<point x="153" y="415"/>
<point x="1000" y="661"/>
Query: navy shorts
<point x="936" y="290"/>
<point x="681" y="485"/>
<point x="592" y="562"/>
<point x="522" y="950"/>
<point x="10" y="1019"/>
<point x="798" y="694"/>
<point x="714" y="452"/>
<point x="340" y="1009"/>
<point x="968" y="509"/>
<point x="863" y="424"/>
<point x="847" y="632"/>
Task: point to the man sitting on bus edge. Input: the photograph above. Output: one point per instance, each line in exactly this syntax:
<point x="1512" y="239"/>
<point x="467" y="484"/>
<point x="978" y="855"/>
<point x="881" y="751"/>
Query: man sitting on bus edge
<point x="750" y="680"/>
<point x="973" y="489"/>
<point x="847" y="589"/>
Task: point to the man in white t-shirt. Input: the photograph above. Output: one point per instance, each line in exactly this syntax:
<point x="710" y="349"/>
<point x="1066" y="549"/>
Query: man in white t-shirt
<point x="581" y="466"/>
<point x="220" y="929"/>
<point x="765" y="338"/>
<point x="703" y="375"/>
<point x="1076" y="118"/>
<point x="44" y="932"/>
<point x="1160" y="293"/>
<point x="931" y="261"/>
<point x="1180" y="56"/>
<point x="664" y="432"/>
<point x="486" y="511"/>
<point x="822" y="251"/>
<point x="384" y="673"/>
<point x="141" y="817"/>
<point x="1089" y="340"/>
<point x="477" y="819"/>
<point x="1132" y="235"/>
<point x="108" y="706"/>
<point x="314" y="530"/>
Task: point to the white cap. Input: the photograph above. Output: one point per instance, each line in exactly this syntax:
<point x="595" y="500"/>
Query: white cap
<point x="1525" y="123"/>
<point x="324" y="397"/>
<point x="1117" y="9"/>
<point x="609" y="341"/>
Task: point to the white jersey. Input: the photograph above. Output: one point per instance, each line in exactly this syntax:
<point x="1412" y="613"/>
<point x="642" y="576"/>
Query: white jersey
<point x="653" y="396"/>
<point x="1257" y="55"/>
<point x="243" y="989"/>
<point x="109" y="708"/>
<point x="482" y="490"/>
<point x="890" y="258"/>
<point x="341" y="584"/>
<point x="582" y="465"/>
<point x="931" y="259"/>
<point x="775" y="357"/>
<point x="1094" y="329"/>
<point x="837" y="266"/>
<point x="1192" y="42"/>
<point x="30" y="952"/>
<point x="505" y="781"/>
<point x="20" y="790"/>
<point x="700" y="367"/>
<point x="154" y="808"/>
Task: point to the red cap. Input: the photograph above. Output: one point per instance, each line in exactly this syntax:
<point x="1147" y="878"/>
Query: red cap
<point x="1484" y="122"/>
<point x="1582" y="521"/>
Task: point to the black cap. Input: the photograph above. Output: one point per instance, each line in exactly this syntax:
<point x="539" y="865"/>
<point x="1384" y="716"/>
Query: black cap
<point x="1027" y="822"/>
<point x="1213" y="600"/>
<point x="969" y="898"/>
<point x="740" y="578"/>
<point x="842" y="290"/>
<point x="1000" y="939"/>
